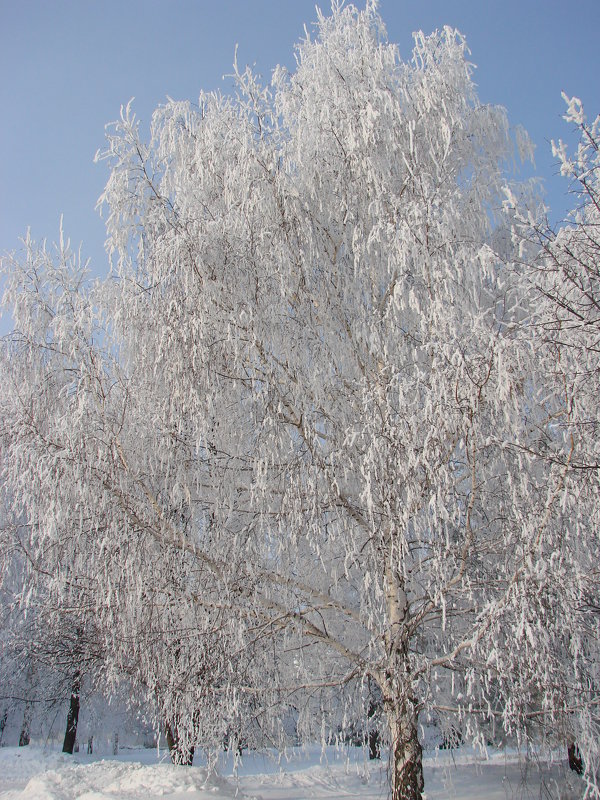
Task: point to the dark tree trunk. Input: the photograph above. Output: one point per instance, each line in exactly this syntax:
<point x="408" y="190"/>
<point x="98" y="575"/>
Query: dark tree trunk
<point x="73" y="715"/>
<point x="3" y="724"/>
<point x="374" y="745"/>
<point x="374" y="738"/>
<point x="180" y="754"/>
<point x="24" y="735"/>
<point x="575" y="759"/>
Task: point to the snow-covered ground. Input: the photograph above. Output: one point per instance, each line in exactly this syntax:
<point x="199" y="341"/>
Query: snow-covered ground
<point x="33" y="773"/>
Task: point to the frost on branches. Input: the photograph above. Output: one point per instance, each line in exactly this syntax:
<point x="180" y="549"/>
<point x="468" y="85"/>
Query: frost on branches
<point x="295" y="472"/>
<point x="566" y="279"/>
<point x="109" y="548"/>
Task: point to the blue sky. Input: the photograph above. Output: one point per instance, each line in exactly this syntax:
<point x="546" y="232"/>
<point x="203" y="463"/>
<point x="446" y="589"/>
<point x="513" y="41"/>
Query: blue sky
<point x="68" y="65"/>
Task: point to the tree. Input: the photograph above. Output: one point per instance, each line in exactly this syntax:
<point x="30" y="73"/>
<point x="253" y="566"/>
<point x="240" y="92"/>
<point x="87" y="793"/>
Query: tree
<point x="319" y="272"/>
<point x="50" y="630"/>
<point x="303" y="451"/>
<point x="109" y="545"/>
<point x="565" y="276"/>
<point x="44" y="659"/>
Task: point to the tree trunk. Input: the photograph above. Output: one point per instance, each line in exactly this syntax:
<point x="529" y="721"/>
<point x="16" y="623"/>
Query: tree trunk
<point x="373" y="738"/>
<point x="406" y="753"/>
<point x="575" y="759"/>
<point x="374" y="746"/>
<point x="181" y="755"/>
<point x="3" y="724"/>
<point x="73" y="715"/>
<point x="24" y="735"/>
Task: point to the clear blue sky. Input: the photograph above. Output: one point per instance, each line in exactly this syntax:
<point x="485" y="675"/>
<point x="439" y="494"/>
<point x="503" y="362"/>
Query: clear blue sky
<point x="68" y="65"/>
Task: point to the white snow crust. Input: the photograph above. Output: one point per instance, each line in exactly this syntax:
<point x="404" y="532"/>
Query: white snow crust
<point x="34" y="773"/>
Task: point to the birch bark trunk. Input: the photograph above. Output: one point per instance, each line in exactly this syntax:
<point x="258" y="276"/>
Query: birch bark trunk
<point x="406" y="754"/>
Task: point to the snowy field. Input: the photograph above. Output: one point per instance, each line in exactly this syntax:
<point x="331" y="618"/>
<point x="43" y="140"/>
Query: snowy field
<point x="32" y="773"/>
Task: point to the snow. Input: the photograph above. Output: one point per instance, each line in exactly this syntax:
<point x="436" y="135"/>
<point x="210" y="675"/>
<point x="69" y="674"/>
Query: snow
<point x="34" y="773"/>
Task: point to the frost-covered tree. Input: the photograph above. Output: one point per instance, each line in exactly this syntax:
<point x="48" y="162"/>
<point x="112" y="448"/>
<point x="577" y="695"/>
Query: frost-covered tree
<point x="109" y="534"/>
<point x="46" y="652"/>
<point x="568" y="271"/>
<point x="317" y="271"/>
<point x="566" y="279"/>
<point x="296" y="433"/>
<point x="50" y="592"/>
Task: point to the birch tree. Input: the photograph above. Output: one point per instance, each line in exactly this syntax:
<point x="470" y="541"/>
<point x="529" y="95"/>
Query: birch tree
<point x="303" y="450"/>
<point x="318" y="268"/>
